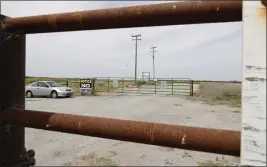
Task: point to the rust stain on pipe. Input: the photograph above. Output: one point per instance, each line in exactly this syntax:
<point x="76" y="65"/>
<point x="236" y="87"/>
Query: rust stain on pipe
<point x="198" y="139"/>
<point x="175" y="13"/>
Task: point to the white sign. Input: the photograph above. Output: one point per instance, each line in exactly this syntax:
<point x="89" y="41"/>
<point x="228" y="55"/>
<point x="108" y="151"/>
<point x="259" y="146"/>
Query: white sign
<point x="86" y="86"/>
<point x="146" y="76"/>
<point x="163" y="85"/>
<point x="115" y="83"/>
<point x="84" y="90"/>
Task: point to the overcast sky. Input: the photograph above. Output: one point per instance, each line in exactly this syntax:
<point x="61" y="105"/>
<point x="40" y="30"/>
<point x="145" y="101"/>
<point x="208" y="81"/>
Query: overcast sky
<point x="203" y="51"/>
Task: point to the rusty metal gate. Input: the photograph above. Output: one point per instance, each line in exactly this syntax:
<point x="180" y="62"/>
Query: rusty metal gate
<point x="14" y="118"/>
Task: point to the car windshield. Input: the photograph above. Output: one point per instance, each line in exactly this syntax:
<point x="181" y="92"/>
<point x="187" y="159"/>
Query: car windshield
<point x="54" y="84"/>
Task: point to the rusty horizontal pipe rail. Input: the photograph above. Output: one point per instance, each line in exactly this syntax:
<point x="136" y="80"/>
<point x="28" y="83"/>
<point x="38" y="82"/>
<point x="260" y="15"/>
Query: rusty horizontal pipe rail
<point x="175" y="13"/>
<point x="198" y="139"/>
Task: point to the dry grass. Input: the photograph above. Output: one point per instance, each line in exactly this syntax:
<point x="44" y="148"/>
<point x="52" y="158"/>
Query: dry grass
<point x="214" y="163"/>
<point x="98" y="93"/>
<point x="219" y="94"/>
<point x="29" y="80"/>
<point x="92" y="159"/>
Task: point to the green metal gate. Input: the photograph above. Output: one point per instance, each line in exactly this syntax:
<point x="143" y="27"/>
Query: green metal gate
<point x="115" y="85"/>
<point x="164" y="86"/>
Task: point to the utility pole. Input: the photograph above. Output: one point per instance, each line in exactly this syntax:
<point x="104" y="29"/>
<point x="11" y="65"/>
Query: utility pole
<point x="136" y="38"/>
<point x="153" y="57"/>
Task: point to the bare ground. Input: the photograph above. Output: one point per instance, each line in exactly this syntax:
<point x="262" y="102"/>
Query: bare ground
<point x="54" y="148"/>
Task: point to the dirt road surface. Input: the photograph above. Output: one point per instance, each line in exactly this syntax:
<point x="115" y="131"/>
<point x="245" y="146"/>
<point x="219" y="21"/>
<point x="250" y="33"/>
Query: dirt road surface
<point x="53" y="148"/>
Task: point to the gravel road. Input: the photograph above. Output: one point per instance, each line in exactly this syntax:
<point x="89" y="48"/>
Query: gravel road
<point x="53" y="148"/>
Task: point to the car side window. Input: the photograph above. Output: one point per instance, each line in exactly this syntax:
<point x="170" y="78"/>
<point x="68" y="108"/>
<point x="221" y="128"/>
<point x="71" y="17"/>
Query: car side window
<point x="38" y="84"/>
<point x="34" y="84"/>
<point x="42" y="84"/>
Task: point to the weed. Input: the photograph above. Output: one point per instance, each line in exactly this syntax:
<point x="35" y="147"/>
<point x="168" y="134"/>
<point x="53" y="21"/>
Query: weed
<point x="214" y="163"/>
<point x="97" y="93"/>
<point x="92" y="159"/>
<point x="219" y="94"/>
<point x="139" y="83"/>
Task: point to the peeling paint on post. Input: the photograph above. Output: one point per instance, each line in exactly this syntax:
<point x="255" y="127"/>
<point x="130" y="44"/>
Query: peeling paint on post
<point x="253" y="149"/>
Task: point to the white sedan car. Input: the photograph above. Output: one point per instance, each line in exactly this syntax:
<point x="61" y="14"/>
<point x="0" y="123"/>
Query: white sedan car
<point x="47" y="89"/>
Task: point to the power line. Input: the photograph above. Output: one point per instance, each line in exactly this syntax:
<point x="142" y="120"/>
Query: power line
<point x="153" y="57"/>
<point x="136" y="38"/>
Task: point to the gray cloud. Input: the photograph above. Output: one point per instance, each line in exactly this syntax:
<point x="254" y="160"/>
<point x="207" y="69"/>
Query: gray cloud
<point x="206" y="51"/>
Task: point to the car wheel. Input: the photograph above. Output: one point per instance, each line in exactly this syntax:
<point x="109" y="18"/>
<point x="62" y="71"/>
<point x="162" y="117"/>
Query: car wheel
<point x="29" y="94"/>
<point x="54" y="94"/>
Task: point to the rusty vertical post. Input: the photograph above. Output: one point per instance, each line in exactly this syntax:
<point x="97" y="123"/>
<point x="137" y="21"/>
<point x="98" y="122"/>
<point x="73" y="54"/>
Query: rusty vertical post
<point x="12" y="93"/>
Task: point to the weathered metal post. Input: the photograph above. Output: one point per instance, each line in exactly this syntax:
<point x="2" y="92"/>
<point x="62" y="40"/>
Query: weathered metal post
<point x="253" y="147"/>
<point x="122" y="89"/>
<point x="192" y="88"/>
<point x="93" y="86"/>
<point x="172" y="86"/>
<point x="155" y="81"/>
<point x="108" y="84"/>
<point x="12" y="93"/>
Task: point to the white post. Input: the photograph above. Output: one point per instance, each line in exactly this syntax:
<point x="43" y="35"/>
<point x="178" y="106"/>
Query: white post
<point x="253" y="147"/>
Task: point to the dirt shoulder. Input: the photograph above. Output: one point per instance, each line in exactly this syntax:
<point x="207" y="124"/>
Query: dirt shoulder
<point x="214" y="93"/>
